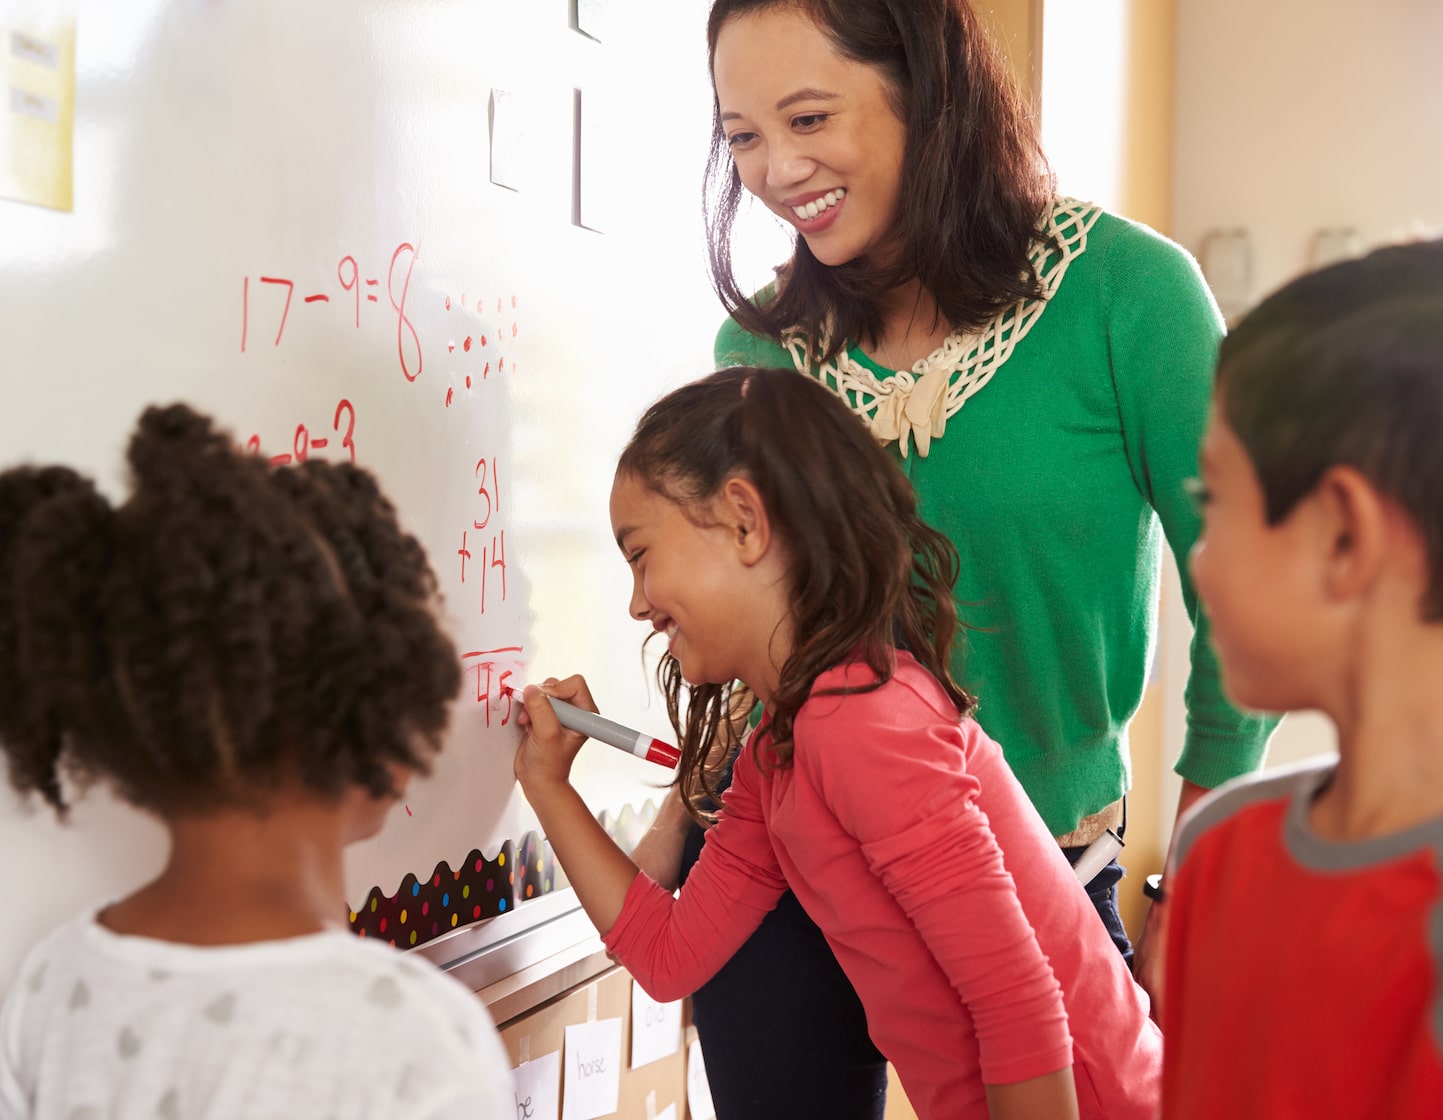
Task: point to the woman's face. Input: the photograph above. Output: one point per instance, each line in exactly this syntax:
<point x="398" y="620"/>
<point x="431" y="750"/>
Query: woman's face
<point x="813" y="134"/>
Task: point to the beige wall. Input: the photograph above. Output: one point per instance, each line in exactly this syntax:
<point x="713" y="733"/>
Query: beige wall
<point x="1292" y="116"/>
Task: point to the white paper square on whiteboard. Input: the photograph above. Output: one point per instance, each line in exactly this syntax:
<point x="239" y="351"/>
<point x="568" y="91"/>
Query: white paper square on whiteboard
<point x="538" y="1087"/>
<point x="597" y="182"/>
<point x="698" y="1091"/>
<point x="592" y="18"/>
<point x="508" y="140"/>
<point x="655" y="1027"/>
<point x="591" y="1081"/>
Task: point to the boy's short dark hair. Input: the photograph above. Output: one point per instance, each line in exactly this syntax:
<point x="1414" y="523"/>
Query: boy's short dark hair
<point x="1344" y="366"/>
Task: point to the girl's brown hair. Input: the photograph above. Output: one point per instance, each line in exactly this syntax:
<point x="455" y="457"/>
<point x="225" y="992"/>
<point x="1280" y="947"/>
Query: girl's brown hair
<point x="976" y="185"/>
<point x="868" y="574"/>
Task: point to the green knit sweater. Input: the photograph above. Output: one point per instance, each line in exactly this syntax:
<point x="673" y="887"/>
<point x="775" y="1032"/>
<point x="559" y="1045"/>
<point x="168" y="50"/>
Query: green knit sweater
<point x="1058" y="482"/>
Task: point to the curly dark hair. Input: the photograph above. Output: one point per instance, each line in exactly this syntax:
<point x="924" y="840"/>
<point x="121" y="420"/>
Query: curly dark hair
<point x="977" y="185"/>
<point x="228" y="629"/>
<point x="869" y="575"/>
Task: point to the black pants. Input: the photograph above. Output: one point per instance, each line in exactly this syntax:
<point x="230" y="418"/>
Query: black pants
<point x="783" y="1033"/>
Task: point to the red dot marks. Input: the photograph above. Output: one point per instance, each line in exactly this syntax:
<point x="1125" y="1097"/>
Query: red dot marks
<point x="466" y="346"/>
<point x="498" y="305"/>
<point x="478" y="307"/>
<point x="513" y="330"/>
<point x="513" y="300"/>
<point x="450" y="348"/>
<point x="500" y="364"/>
<point x="483" y="340"/>
<point x="448" y="303"/>
<point x="449" y="394"/>
<point x="485" y="373"/>
<point x="468" y="381"/>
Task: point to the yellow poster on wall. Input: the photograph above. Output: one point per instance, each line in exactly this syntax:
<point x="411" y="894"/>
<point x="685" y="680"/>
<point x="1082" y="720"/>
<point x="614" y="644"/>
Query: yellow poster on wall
<point x="37" y="113"/>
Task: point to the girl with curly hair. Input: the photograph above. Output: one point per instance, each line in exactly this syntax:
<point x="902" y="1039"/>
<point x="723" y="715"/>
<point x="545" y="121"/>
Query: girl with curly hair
<point x="252" y="655"/>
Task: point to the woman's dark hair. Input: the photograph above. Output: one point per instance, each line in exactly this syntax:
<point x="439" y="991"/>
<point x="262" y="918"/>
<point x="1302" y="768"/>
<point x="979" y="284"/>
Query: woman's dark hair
<point x="868" y="574"/>
<point x="228" y="629"/>
<point x="1344" y="366"/>
<point x="976" y="185"/>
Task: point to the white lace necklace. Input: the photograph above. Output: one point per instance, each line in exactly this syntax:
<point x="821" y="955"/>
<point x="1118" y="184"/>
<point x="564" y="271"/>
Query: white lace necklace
<point x="919" y="402"/>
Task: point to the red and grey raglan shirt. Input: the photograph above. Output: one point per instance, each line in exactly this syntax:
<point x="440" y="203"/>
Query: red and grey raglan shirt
<point x="1302" y="974"/>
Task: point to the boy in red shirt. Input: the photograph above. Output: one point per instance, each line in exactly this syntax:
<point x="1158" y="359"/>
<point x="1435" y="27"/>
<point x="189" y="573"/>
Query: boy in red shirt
<point x="1304" y="908"/>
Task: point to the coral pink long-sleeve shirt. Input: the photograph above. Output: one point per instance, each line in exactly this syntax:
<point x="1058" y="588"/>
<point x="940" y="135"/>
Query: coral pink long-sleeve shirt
<point x="908" y="840"/>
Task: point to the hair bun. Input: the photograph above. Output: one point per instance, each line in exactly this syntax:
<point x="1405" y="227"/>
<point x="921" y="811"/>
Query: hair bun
<point x="169" y="442"/>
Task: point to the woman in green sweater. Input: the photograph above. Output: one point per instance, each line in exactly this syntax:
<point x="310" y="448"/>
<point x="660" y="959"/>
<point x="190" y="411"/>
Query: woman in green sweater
<point x="1041" y="368"/>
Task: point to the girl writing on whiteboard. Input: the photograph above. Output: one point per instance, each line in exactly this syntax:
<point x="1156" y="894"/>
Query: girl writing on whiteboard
<point x="774" y="543"/>
<point x="252" y="655"/>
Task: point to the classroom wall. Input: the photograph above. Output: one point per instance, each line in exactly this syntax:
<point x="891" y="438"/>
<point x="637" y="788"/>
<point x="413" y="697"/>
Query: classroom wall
<point x="1107" y="103"/>
<point x="1295" y="116"/>
<point x="1300" y="115"/>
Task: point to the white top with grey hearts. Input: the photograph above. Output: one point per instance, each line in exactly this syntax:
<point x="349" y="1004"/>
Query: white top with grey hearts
<point x="100" y="1026"/>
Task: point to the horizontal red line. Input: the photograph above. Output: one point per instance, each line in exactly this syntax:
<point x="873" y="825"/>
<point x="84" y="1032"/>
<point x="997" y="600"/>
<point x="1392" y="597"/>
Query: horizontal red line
<point x="486" y="652"/>
<point x="323" y="299"/>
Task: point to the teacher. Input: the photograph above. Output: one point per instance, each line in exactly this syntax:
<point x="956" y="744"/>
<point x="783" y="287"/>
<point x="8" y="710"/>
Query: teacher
<point x="1042" y="370"/>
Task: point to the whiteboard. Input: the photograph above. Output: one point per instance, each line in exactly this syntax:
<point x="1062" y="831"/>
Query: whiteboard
<point x="284" y="213"/>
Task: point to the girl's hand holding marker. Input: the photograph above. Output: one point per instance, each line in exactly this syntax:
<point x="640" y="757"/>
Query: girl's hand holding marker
<point x="582" y="719"/>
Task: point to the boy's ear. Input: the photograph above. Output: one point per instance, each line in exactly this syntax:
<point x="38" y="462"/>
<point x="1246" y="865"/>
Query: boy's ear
<point x="1354" y="522"/>
<point x="744" y="514"/>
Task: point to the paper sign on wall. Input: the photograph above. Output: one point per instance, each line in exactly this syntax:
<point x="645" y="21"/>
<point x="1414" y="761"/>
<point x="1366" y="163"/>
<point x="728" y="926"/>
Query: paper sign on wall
<point x="598" y="178"/>
<point x="655" y="1027"/>
<point x="538" y="1087"/>
<point x="37" y="117"/>
<point x="591" y="1084"/>
<point x="698" y="1092"/>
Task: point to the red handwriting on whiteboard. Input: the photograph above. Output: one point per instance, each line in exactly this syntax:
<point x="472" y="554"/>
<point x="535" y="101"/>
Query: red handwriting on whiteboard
<point x="493" y="553"/>
<point x="403" y="324"/>
<point x="489" y="493"/>
<point x="304" y="443"/>
<point x="348" y="275"/>
<point x="493" y="669"/>
<point x="483" y="340"/>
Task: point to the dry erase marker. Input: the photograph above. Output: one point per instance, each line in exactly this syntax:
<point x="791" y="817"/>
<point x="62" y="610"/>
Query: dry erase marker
<point x="609" y="731"/>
